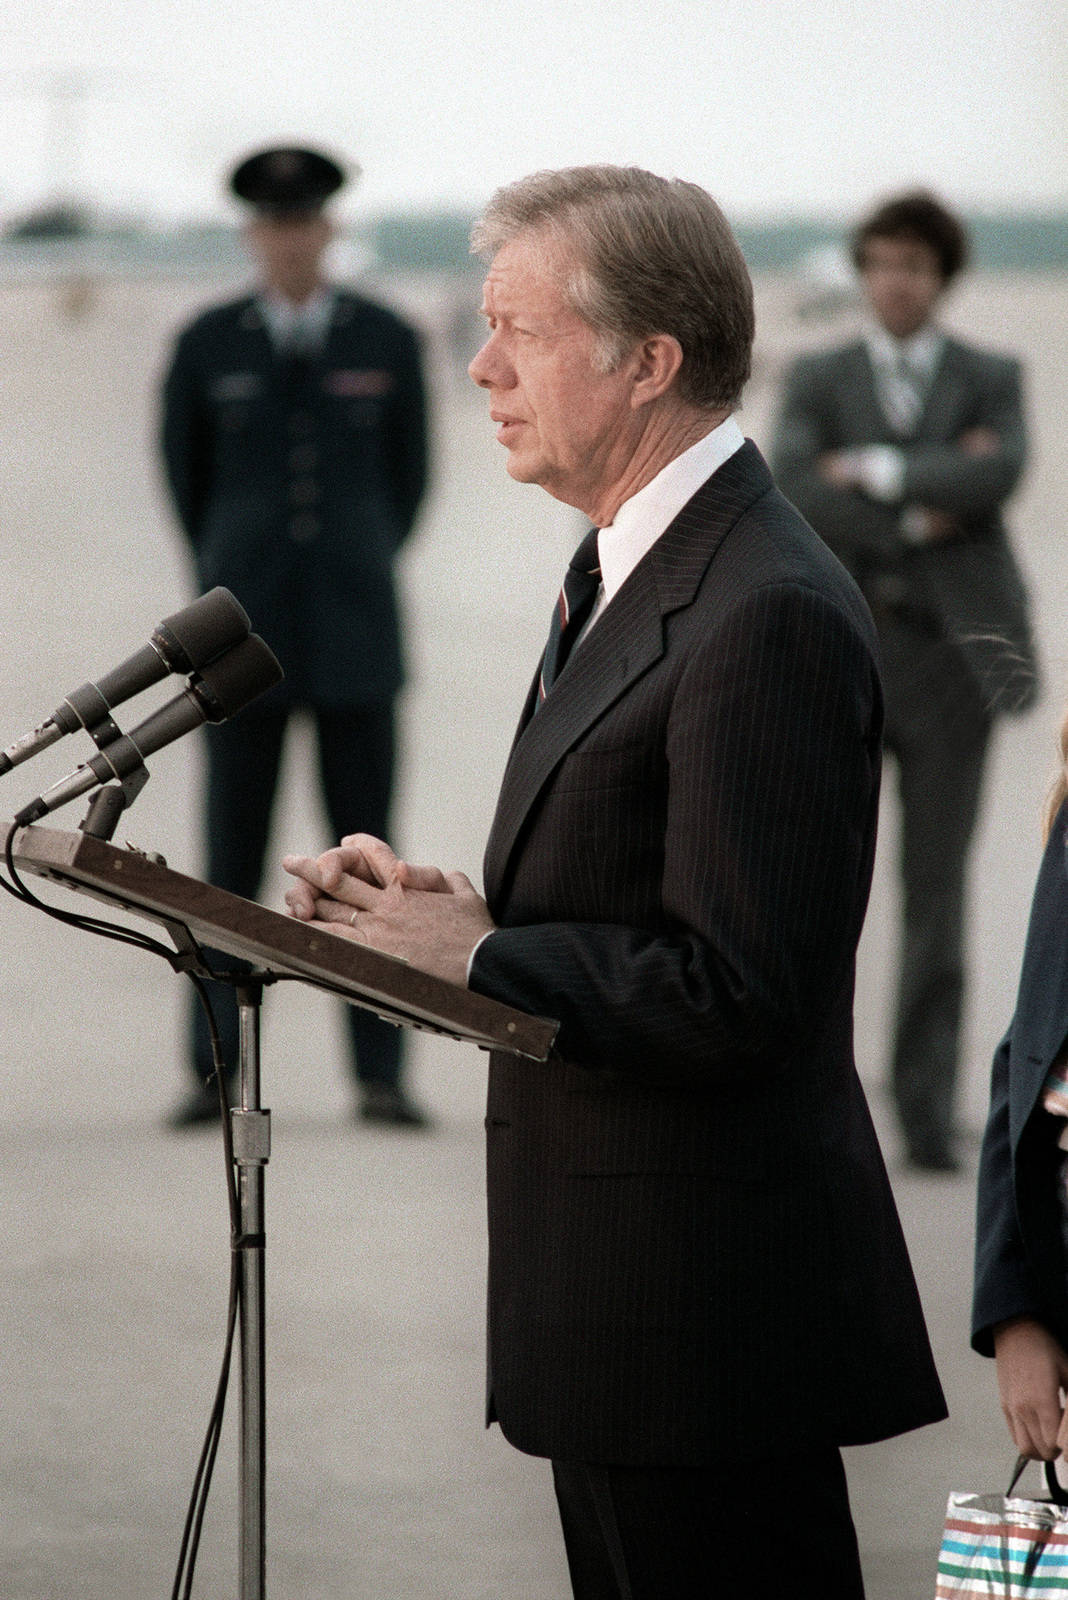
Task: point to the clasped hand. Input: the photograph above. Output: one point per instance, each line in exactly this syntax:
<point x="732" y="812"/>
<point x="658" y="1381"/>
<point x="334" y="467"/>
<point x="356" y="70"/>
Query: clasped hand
<point x="361" y="890"/>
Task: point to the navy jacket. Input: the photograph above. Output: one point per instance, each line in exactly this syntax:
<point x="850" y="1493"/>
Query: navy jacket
<point x="297" y="482"/>
<point x="694" y="1251"/>
<point x="1020" y="1265"/>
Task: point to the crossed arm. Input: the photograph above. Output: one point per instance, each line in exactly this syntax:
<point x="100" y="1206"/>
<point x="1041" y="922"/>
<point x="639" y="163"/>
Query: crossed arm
<point x="361" y="890"/>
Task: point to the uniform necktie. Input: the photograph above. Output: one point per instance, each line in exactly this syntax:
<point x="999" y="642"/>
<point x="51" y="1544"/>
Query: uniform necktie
<point x="571" y="612"/>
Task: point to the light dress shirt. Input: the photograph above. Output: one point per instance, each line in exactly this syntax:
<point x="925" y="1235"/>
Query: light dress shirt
<point x="640" y="521"/>
<point x="880" y="468"/>
<point x="300" y="329"/>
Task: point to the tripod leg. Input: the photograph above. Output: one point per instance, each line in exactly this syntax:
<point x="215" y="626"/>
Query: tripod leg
<point x="252" y="1147"/>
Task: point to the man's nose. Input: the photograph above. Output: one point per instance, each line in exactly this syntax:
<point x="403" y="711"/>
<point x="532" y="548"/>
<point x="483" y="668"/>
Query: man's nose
<point x="487" y="367"/>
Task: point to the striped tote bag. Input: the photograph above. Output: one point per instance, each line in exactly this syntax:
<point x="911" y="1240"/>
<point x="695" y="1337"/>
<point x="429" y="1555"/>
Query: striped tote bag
<point x="1002" y="1545"/>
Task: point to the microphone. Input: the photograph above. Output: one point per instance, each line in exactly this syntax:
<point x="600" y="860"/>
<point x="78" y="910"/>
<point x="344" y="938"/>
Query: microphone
<point x="217" y="692"/>
<point x="185" y="642"/>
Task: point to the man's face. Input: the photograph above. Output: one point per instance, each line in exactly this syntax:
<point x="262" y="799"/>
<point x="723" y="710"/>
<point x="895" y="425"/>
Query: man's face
<point x="289" y="250"/>
<point x="566" y="425"/>
<point x="902" y="281"/>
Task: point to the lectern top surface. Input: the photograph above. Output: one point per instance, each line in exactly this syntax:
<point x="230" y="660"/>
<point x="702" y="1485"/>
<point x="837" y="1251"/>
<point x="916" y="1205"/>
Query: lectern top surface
<point x="278" y="946"/>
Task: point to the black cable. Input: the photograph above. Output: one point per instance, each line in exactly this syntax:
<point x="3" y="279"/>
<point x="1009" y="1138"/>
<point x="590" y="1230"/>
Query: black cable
<point x="198" y="1500"/>
<point x="107" y="930"/>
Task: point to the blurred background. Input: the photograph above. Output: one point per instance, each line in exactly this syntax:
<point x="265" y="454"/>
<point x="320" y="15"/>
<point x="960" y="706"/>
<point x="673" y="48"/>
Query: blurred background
<point x="118" y="128"/>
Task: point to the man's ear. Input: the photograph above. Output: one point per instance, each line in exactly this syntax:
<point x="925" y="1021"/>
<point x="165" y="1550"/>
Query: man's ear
<point x="658" y="359"/>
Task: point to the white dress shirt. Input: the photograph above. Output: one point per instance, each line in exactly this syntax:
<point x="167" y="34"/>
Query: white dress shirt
<point x="879" y="469"/>
<point x="302" y="328"/>
<point x="640" y="521"/>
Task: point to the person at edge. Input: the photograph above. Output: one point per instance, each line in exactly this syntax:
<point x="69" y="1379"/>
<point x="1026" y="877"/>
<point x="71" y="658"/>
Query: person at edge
<point x="1020" y="1311"/>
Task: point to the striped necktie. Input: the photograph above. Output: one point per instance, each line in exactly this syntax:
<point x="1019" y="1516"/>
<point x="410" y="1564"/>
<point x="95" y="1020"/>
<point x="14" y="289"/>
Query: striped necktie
<point x="904" y="395"/>
<point x="571" y="612"/>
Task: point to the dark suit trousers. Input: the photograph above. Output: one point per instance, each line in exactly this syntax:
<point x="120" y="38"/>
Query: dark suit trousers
<point x="937" y="730"/>
<point x="356" y="756"/>
<point x="756" y="1531"/>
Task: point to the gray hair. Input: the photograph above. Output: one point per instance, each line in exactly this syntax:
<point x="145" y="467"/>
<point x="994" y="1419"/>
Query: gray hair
<point x="645" y="255"/>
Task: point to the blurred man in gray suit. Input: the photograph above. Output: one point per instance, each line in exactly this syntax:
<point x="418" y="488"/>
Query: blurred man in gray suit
<point x="901" y="448"/>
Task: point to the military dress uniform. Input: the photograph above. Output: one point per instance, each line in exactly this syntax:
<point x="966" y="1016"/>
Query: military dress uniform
<point x="296" y="455"/>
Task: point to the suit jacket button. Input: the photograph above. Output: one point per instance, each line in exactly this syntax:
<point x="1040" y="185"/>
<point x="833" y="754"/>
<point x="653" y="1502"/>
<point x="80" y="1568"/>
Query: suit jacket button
<point x="303" y="492"/>
<point x="303" y="528"/>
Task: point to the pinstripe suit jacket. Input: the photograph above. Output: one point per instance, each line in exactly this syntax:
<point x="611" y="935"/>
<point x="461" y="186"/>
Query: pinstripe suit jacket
<point x="694" y="1251"/>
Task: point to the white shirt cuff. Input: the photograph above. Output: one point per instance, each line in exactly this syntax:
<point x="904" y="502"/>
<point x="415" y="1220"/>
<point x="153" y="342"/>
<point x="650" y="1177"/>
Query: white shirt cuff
<point x="880" y="470"/>
<point x="474" y="952"/>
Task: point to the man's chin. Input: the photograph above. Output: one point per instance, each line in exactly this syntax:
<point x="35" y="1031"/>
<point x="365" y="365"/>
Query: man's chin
<point x="521" y="468"/>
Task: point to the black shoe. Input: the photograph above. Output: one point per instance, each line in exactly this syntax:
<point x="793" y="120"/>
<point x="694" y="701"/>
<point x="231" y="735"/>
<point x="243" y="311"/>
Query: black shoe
<point x="200" y="1107"/>
<point x="382" y="1102"/>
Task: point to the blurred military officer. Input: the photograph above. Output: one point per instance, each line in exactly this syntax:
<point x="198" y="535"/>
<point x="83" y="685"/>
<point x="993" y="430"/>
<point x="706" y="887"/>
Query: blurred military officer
<point x="294" y="438"/>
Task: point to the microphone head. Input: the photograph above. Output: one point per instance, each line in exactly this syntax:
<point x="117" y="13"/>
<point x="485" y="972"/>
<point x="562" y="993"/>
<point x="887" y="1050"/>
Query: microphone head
<point x="227" y="685"/>
<point x="201" y="632"/>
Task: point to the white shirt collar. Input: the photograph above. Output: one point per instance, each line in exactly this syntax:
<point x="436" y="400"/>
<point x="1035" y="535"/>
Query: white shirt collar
<point x="921" y="350"/>
<point x="641" y="520"/>
<point x="284" y="318"/>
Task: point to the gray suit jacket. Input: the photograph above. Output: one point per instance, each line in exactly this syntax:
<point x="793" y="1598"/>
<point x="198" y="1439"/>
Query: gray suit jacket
<point x="969" y="584"/>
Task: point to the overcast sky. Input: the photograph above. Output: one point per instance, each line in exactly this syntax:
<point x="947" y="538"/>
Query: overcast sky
<point x="777" y="106"/>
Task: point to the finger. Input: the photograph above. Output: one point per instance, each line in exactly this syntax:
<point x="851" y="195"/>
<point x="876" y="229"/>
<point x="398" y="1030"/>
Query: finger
<point x="380" y="861"/>
<point x="340" y="911"/>
<point x="459" y="883"/>
<point x="431" y="880"/>
<point x="300" y="901"/>
<point x="1038" y="1426"/>
<point x="320" y="872"/>
<point x="1021" y="1438"/>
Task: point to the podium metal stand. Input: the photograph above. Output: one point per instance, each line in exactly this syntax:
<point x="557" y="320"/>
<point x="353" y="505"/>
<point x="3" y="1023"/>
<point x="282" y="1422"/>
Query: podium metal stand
<point x="194" y="913"/>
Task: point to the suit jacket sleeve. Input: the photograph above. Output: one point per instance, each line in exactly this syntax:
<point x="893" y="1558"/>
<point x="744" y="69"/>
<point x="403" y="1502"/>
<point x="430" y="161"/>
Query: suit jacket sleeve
<point x="1004" y="1285"/>
<point x="772" y="753"/>
<point x="855" y="527"/>
<point x="185" y="436"/>
<point x="947" y="478"/>
<point x="406" y="429"/>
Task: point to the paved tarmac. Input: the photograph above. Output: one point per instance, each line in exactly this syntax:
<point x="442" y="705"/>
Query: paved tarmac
<point x="381" y="1480"/>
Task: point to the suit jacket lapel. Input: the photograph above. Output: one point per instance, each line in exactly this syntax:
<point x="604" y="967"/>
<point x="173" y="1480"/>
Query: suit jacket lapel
<point x="627" y="638"/>
<point x="945" y="396"/>
<point x="868" y="419"/>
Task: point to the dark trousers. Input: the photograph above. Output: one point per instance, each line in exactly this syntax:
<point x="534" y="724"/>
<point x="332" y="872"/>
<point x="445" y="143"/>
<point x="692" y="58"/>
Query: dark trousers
<point x="356" y="759"/>
<point x="938" y="731"/>
<point x="756" y="1531"/>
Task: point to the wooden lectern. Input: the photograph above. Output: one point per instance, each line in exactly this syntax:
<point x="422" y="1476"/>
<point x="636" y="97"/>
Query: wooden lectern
<point x="194" y="914"/>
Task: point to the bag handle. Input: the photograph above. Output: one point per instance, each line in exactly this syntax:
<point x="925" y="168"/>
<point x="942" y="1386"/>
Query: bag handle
<point x="1057" y="1492"/>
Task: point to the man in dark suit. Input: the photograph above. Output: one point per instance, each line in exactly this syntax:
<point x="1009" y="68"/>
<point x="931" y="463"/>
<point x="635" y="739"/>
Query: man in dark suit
<point x="294" y="437"/>
<point x="698" y="1284"/>
<point x="901" y="448"/>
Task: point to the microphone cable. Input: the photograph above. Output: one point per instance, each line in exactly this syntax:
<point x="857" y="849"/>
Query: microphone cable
<point x="15" y="885"/>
